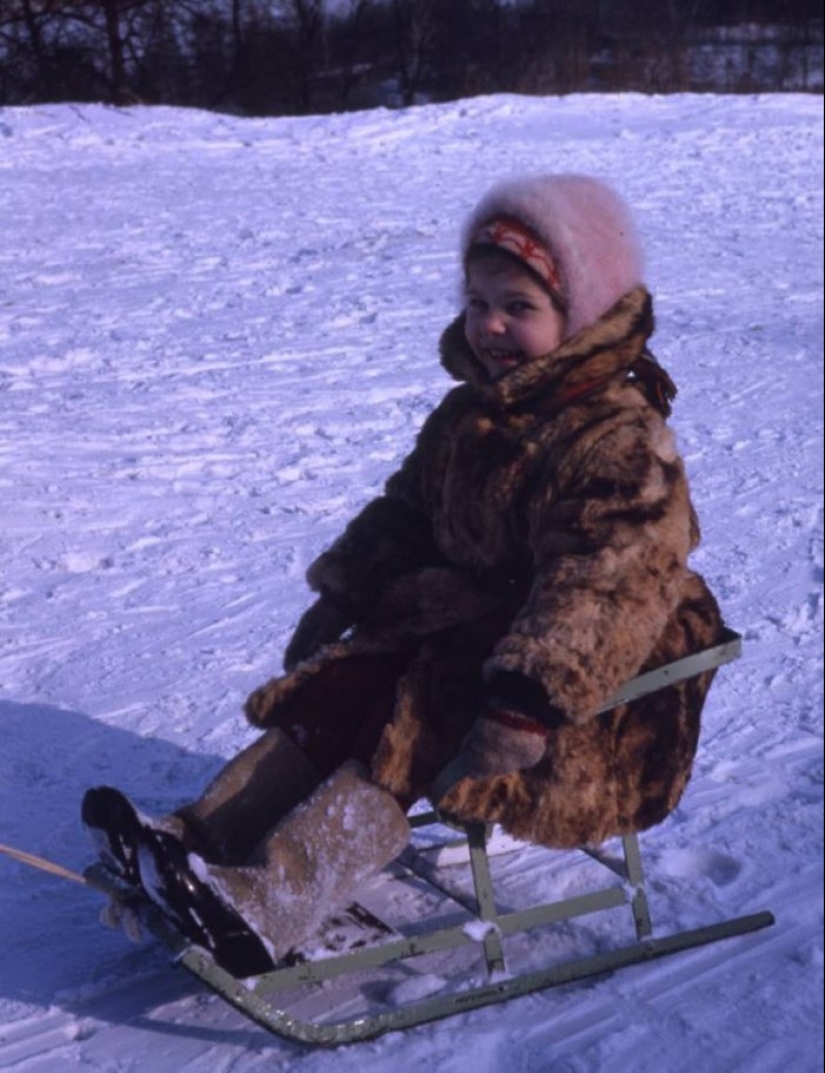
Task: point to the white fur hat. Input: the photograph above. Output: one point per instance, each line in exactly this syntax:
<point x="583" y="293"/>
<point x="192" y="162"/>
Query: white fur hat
<point x="587" y="230"/>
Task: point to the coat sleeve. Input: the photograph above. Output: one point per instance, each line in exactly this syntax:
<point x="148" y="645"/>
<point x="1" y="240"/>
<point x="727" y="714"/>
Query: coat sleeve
<point x="609" y="535"/>
<point x="391" y="536"/>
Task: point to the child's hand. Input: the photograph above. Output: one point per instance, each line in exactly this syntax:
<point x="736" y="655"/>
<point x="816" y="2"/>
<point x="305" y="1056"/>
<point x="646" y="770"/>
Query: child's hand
<point x="322" y="624"/>
<point x="498" y="744"/>
<point x="502" y="742"/>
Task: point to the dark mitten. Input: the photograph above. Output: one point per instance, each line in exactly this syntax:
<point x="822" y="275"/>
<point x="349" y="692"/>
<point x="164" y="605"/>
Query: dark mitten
<point x="320" y="625"/>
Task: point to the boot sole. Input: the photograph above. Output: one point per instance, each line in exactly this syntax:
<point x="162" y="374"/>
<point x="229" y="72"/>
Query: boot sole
<point x="113" y="824"/>
<point x="195" y="909"/>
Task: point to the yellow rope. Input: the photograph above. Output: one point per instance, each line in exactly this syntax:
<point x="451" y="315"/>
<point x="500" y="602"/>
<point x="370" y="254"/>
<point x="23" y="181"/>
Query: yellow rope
<point x="43" y="864"/>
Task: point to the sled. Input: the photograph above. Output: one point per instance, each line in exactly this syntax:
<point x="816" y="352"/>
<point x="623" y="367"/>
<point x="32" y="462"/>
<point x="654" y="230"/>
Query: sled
<point x="359" y="950"/>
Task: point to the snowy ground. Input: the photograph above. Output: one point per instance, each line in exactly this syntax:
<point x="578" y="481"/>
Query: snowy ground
<point x="218" y="338"/>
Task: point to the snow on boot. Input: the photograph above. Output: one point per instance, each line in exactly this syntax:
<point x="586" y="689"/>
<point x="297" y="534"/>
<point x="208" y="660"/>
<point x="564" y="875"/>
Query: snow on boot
<point x="312" y="862"/>
<point x="247" y="797"/>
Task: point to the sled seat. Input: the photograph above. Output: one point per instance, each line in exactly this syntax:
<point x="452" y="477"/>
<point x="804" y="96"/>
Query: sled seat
<point x="479" y="925"/>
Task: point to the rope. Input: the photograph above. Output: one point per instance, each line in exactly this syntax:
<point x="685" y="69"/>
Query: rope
<point x="43" y="864"/>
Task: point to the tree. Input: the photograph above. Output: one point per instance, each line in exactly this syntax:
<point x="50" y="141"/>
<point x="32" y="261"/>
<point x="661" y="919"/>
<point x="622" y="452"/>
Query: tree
<point x="471" y="50"/>
<point x="307" y="21"/>
<point x="414" y="37"/>
<point x="31" y="43"/>
<point x="348" y="41"/>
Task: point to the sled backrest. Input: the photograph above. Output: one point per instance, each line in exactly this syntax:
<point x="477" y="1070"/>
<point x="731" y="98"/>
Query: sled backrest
<point x="728" y="649"/>
<point x="628" y="866"/>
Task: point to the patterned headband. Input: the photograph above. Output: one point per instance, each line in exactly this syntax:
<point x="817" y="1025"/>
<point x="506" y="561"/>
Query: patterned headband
<point x="510" y="234"/>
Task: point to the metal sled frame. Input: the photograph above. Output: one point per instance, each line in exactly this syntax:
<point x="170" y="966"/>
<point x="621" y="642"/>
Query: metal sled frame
<point x="257" y="998"/>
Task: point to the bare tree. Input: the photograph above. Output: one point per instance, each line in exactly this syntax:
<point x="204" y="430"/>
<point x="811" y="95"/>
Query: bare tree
<point x="276" y="56"/>
<point x="26" y="36"/>
<point x="112" y="12"/>
<point x="76" y="31"/>
<point x="117" y="50"/>
<point x="41" y="51"/>
<point x="237" y="42"/>
<point x="350" y="22"/>
<point x="17" y="23"/>
<point x="306" y="20"/>
<point x="31" y="18"/>
<point x="414" y="39"/>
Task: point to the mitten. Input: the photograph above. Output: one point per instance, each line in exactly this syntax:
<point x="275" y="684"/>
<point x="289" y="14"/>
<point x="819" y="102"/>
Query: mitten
<point x="502" y="742"/>
<point x="499" y="743"/>
<point x="322" y="624"/>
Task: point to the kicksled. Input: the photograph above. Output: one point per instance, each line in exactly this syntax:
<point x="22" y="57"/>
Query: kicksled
<point x="477" y="935"/>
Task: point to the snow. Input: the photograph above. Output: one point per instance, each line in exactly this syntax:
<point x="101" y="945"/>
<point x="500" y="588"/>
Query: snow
<point x="218" y="338"/>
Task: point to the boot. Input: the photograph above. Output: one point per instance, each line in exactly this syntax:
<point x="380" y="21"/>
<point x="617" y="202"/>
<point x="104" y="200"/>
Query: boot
<point x="308" y="866"/>
<point x="248" y="795"/>
<point x="245" y="799"/>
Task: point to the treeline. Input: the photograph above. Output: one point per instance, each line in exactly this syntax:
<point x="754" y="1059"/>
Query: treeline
<point x="270" y="57"/>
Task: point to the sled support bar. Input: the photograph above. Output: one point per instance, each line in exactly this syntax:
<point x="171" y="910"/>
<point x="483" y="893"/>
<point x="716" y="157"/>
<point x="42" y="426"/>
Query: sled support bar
<point x="728" y="649"/>
<point x="256" y="998"/>
<point x="442" y="939"/>
<point x="251" y="1003"/>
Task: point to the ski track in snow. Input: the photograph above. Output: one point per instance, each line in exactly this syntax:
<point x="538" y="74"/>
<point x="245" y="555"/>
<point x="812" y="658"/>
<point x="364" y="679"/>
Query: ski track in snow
<point x="218" y="336"/>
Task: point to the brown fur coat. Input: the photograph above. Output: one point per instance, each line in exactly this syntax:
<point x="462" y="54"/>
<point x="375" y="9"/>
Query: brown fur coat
<point x="540" y="528"/>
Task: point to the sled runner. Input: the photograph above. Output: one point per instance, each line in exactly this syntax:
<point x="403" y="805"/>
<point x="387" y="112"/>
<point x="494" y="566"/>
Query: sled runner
<point x="489" y="953"/>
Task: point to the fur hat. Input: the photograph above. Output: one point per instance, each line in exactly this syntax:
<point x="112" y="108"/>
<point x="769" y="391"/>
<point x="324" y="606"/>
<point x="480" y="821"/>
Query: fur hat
<point x="587" y="232"/>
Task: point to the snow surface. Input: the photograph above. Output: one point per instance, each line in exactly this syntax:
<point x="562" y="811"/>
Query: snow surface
<point x="218" y="338"/>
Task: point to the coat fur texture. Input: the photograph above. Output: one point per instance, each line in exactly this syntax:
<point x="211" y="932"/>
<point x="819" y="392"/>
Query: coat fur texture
<point x="539" y="532"/>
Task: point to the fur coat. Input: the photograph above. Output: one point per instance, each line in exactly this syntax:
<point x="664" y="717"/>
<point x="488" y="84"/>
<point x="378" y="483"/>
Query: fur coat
<point x="538" y="534"/>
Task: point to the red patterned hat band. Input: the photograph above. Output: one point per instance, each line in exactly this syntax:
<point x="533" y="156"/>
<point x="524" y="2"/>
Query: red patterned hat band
<point x="510" y="234"/>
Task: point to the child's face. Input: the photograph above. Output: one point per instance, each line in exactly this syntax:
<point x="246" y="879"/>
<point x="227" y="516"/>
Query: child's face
<point x="511" y="319"/>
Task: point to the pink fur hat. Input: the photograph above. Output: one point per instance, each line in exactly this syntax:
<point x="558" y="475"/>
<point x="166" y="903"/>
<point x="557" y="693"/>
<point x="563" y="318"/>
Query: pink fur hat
<point x="587" y="231"/>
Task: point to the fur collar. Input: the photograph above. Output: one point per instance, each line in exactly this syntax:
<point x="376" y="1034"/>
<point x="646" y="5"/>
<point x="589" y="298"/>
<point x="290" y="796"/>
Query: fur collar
<point x="609" y="349"/>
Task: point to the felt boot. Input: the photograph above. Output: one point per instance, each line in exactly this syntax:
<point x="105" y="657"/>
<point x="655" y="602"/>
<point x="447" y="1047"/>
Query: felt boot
<point x="247" y="797"/>
<point x="244" y="800"/>
<point x="307" y="867"/>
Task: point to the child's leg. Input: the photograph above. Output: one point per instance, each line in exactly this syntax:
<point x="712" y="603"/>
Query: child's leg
<point x="309" y="865"/>
<point x="246" y="798"/>
<point x="340" y="712"/>
<point x="338" y="716"/>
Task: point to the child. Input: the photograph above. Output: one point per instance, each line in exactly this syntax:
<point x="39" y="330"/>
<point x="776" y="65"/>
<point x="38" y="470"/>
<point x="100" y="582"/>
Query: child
<point x="529" y="557"/>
